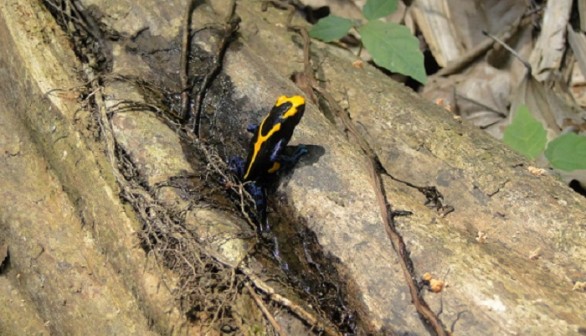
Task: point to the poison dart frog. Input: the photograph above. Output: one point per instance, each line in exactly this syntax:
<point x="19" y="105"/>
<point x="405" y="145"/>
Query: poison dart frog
<point x="265" y="153"/>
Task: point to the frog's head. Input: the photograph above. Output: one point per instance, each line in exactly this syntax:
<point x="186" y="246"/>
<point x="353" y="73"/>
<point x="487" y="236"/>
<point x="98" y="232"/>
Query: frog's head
<point x="291" y="106"/>
<point x="272" y="136"/>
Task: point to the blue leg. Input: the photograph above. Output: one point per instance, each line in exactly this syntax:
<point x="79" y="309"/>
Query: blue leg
<point x="290" y="161"/>
<point x="236" y="166"/>
<point x="299" y="152"/>
<point x="258" y="194"/>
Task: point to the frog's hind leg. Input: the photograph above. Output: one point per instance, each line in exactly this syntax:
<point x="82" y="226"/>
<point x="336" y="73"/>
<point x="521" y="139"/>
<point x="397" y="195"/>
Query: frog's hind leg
<point x="288" y="161"/>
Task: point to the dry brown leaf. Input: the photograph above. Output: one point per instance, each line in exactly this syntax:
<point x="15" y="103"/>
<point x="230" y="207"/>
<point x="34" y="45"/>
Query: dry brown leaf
<point x="434" y="20"/>
<point x="450" y="28"/>
<point x="551" y="43"/>
<point x="578" y="87"/>
<point x="535" y="254"/>
<point x="434" y="285"/>
<point x="546" y="106"/>
<point x="481" y="237"/>
<point x="480" y="95"/>
<point x="536" y="171"/>
<point x="580" y="286"/>
<point x="577" y="42"/>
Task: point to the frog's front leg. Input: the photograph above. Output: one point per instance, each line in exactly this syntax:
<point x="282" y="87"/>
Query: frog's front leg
<point x="299" y="152"/>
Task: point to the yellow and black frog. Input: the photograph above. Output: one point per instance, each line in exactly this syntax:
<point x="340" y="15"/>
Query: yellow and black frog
<point x="265" y="153"/>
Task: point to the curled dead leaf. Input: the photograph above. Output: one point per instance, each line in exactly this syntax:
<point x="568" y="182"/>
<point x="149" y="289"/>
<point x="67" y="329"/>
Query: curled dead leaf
<point x="444" y="103"/>
<point x="436" y="285"/>
<point x="536" y="171"/>
<point x="432" y="284"/>
<point x="580" y="286"/>
<point x="535" y="254"/>
<point x="481" y="237"/>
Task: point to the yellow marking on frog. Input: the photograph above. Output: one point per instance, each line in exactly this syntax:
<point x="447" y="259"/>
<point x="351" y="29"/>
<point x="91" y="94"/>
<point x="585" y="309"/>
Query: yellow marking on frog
<point x="258" y="144"/>
<point x="295" y="101"/>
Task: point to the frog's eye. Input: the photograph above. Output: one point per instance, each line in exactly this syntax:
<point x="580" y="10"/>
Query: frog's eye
<point x="291" y="106"/>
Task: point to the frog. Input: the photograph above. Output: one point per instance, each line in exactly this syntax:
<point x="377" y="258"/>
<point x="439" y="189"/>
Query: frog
<point x="265" y="155"/>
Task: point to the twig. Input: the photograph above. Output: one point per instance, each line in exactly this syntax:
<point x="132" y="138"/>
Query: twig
<point x="480" y="49"/>
<point x="401" y="249"/>
<point x="374" y="164"/>
<point x="184" y="62"/>
<point x="509" y="49"/>
<point x="261" y="305"/>
<point x="307" y="82"/>
<point x="387" y="216"/>
<point x="283" y="301"/>
<point x="230" y="27"/>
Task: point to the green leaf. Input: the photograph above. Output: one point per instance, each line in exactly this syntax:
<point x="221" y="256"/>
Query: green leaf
<point x="330" y="28"/>
<point x="525" y="134"/>
<point x="374" y="9"/>
<point x="567" y="152"/>
<point x="393" y="47"/>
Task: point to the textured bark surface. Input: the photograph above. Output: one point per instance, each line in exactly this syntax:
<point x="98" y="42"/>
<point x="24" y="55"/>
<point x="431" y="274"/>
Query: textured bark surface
<point x="74" y="251"/>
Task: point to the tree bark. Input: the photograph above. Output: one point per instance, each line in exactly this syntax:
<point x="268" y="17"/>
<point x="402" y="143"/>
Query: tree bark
<point x="89" y="190"/>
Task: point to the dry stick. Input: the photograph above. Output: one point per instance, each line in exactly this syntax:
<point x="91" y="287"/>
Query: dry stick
<point x="387" y="217"/>
<point x="509" y="49"/>
<point x="230" y="27"/>
<point x="261" y="285"/>
<point x="472" y="54"/>
<point x="374" y="165"/>
<point x="309" y="78"/>
<point x="261" y="305"/>
<point x="184" y="63"/>
<point x="283" y="301"/>
<point x="399" y="246"/>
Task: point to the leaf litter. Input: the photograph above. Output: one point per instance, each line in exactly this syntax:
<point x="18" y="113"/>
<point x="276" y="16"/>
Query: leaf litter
<point x="481" y="81"/>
